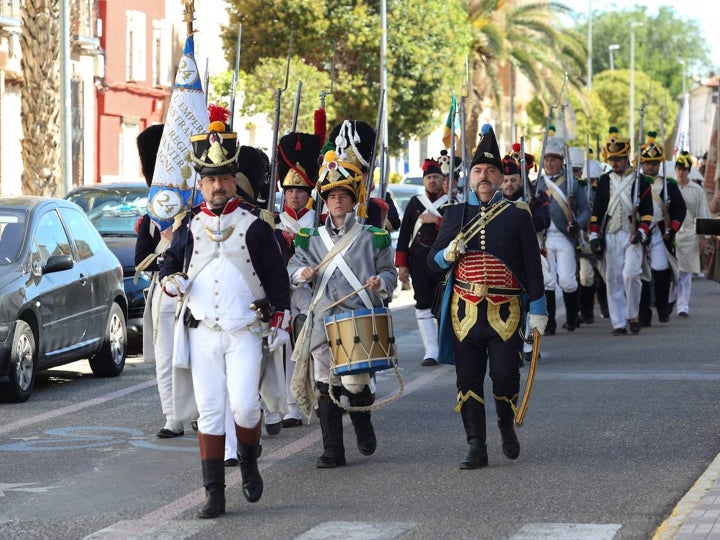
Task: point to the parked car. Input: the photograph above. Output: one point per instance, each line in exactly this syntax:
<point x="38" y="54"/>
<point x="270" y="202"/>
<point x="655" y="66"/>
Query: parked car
<point x="114" y="209"/>
<point x="415" y="179"/>
<point x="402" y="193"/>
<point x="61" y="294"/>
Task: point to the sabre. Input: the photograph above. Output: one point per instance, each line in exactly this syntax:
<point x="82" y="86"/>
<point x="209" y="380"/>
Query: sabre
<point x="535" y="340"/>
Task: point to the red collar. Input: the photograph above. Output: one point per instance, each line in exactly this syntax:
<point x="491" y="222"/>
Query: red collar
<point x="293" y="214"/>
<point x="230" y="206"/>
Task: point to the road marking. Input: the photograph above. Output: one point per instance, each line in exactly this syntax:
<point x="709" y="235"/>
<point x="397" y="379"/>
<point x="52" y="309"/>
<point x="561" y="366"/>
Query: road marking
<point x="193" y="499"/>
<point x="355" y="530"/>
<point x="567" y="531"/>
<point x="23" y="487"/>
<point x="7" y="428"/>
<point x="138" y="530"/>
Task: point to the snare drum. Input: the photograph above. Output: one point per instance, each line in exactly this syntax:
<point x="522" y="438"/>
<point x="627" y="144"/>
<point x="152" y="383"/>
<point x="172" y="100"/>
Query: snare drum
<point x="361" y="341"/>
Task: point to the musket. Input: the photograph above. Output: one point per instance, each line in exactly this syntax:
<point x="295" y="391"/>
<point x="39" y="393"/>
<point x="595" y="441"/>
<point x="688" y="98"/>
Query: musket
<point x="320" y="118"/>
<point x="296" y="110"/>
<point x="523" y="171"/>
<point x="273" y="160"/>
<point x="233" y="84"/>
<point x="451" y="177"/>
<point x="206" y="80"/>
<point x="569" y="177"/>
<point x="547" y="127"/>
<point x="638" y="172"/>
<point x="587" y="169"/>
<point x="666" y="195"/>
<point x="463" y="135"/>
<point x="373" y="155"/>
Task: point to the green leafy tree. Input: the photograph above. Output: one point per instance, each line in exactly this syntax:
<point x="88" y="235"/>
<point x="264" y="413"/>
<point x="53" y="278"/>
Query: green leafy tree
<point x="662" y="43"/>
<point x="427" y="44"/>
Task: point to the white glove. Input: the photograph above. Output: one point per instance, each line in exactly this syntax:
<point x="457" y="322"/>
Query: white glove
<point x="277" y="339"/>
<point x="175" y="284"/>
<point x="454" y="250"/>
<point x="539" y="322"/>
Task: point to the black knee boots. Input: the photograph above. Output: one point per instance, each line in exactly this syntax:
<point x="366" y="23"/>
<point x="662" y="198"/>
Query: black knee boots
<point x="587" y="304"/>
<point x="212" y="453"/>
<point x="473" y="416"/>
<point x="571" y="309"/>
<point x="506" y="423"/>
<point x="248" y="440"/>
<point x="332" y="428"/>
<point x="551" y="324"/>
<point x="364" y="432"/>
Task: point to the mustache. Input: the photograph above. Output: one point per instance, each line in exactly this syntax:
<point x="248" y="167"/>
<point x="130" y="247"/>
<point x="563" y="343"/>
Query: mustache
<point x="219" y="192"/>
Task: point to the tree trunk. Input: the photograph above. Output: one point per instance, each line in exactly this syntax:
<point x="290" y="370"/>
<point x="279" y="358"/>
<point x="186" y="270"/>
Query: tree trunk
<point x="40" y="97"/>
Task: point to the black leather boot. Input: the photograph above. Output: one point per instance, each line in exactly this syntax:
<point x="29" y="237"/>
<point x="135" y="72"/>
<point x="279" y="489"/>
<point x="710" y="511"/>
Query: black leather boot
<point x="248" y="440"/>
<point x="644" y="309"/>
<point x="662" y="278"/>
<point x="473" y="415"/>
<point x="587" y="304"/>
<point x="571" y="309"/>
<point x="506" y="423"/>
<point x="212" y="450"/>
<point x="551" y="324"/>
<point x="364" y="432"/>
<point x="332" y="429"/>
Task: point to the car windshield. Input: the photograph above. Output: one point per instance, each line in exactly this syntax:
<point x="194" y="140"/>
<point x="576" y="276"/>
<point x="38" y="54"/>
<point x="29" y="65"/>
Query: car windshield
<point x="12" y="229"/>
<point x="113" y="211"/>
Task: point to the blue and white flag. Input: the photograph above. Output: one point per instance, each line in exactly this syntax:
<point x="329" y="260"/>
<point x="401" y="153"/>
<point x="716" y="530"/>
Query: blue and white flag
<point x="172" y="192"/>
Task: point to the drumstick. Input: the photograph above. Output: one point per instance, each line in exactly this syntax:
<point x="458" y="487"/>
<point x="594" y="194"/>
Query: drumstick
<point x="346" y="297"/>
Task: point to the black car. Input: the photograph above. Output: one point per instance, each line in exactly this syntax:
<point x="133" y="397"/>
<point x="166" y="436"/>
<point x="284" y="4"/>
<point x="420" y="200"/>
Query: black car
<point x="114" y="209"/>
<point x="61" y="294"/>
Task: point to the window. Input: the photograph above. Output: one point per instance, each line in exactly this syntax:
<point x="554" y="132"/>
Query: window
<point x="50" y="237"/>
<point x="135" y="64"/>
<point x="162" y="53"/>
<point x="87" y="240"/>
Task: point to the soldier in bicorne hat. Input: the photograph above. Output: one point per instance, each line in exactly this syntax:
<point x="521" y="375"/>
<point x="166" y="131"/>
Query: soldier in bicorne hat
<point x="227" y="266"/>
<point x="363" y="264"/>
<point x="668" y="215"/>
<point x="618" y="230"/>
<point x="489" y="248"/>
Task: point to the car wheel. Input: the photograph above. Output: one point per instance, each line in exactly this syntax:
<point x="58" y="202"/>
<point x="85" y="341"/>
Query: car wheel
<point x="23" y="357"/>
<point x="109" y="361"/>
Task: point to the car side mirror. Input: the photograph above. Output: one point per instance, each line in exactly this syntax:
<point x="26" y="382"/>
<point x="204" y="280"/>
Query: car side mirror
<point x="57" y="263"/>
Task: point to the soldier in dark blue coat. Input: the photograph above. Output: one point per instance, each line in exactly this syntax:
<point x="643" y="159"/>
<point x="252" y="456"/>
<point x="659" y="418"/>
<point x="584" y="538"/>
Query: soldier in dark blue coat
<point x="490" y="246"/>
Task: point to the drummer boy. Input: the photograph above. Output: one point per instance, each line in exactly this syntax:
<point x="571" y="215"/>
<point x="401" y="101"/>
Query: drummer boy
<point x="350" y="267"/>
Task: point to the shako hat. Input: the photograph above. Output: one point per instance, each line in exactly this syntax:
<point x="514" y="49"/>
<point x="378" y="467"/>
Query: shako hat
<point x="444" y="161"/>
<point x="651" y="150"/>
<point x="577" y="157"/>
<point x="343" y="166"/>
<point x="510" y="165"/>
<point x="215" y="152"/>
<point x="487" y="150"/>
<point x="299" y="160"/>
<point x="148" y="144"/>
<point x="431" y="166"/>
<point x="555" y="146"/>
<point x="684" y="161"/>
<point x="615" y="146"/>
<point x="252" y="172"/>
<point x="529" y="158"/>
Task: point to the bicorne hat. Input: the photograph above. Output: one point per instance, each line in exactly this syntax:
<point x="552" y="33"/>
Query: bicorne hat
<point x="487" y="150"/>
<point x="215" y="152"/>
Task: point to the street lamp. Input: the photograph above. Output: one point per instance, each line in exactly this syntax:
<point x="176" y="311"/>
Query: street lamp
<point x="611" y="48"/>
<point x="633" y="26"/>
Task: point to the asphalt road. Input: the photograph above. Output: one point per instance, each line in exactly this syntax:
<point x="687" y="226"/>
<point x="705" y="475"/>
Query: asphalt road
<point x="618" y="430"/>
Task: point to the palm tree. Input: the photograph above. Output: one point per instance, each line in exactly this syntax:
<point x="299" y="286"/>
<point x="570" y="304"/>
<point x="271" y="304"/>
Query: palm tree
<point x="40" y="96"/>
<point x="530" y="38"/>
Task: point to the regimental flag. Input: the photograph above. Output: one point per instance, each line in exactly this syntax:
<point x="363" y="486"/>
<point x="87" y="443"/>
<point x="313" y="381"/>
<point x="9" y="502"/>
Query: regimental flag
<point x="172" y="191"/>
<point x="449" y="128"/>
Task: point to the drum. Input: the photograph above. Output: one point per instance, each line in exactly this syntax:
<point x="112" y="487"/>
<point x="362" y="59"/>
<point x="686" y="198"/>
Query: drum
<point x="361" y="341"/>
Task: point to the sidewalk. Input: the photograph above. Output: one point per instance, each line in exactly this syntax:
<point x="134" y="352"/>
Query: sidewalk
<point x="697" y="515"/>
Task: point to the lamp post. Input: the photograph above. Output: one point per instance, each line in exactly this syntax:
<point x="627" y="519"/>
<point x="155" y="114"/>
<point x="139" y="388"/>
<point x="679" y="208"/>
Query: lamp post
<point x="633" y="25"/>
<point x="611" y="48"/>
<point x="589" y="48"/>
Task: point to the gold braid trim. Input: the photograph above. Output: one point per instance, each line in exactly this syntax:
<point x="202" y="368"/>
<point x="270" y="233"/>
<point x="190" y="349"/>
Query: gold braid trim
<point x="505" y="328"/>
<point x="511" y="400"/>
<point x="462" y="398"/>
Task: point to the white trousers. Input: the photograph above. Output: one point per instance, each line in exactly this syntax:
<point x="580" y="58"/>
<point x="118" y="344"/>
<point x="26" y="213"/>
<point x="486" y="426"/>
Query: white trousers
<point x="321" y="356"/>
<point x="561" y="254"/>
<point x="225" y="365"/>
<point x="656" y="250"/>
<point x="682" y="293"/>
<point x="623" y="267"/>
<point x="164" y="329"/>
<point x="586" y="272"/>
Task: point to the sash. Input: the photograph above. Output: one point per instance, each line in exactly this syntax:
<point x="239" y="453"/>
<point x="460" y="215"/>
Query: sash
<point x="432" y="207"/>
<point x="557" y="193"/>
<point x="293" y="225"/>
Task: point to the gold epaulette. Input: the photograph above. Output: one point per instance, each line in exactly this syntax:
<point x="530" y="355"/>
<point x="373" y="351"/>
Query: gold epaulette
<point x="268" y="217"/>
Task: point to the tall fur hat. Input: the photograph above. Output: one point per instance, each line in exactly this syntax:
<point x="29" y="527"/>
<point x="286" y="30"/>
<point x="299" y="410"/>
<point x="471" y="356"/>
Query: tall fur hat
<point x="487" y="150"/>
<point x="354" y="141"/>
<point x="299" y="160"/>
<point x="148" y="144"/>
<point x="510" y="165"/>
<point x="253" y="167"/>
<point x="529" y="158"/>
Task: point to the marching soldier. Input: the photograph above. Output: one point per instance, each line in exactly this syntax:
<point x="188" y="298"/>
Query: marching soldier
<point x="668" y="214"/>
<point x="347" y="264"/>
<point x="298" y="168"/>
<point x="618" y="228"/>
<point x="227" y="265"/>
<point x="420" y="224"/>
<point x="569" y="213"/>
<point x="488" y="245"/>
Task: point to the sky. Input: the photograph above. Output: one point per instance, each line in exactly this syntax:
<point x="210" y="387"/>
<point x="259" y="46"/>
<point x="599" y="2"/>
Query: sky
<point x="706" y="12"/>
